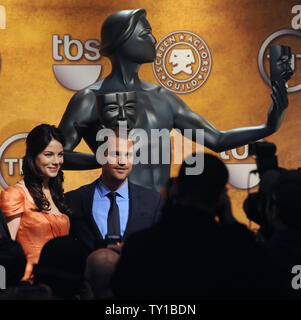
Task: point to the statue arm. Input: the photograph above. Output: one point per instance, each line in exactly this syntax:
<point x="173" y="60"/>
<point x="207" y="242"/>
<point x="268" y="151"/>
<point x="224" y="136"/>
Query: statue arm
<point x="80" y="113"/>
<point x="219" y="141"/>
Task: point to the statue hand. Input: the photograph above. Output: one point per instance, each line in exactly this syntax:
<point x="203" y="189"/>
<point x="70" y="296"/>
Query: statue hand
<point x="279" y="105"/>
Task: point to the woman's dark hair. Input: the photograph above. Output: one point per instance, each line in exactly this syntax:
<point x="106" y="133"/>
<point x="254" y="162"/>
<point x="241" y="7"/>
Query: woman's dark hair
<point x="37" y="140"/>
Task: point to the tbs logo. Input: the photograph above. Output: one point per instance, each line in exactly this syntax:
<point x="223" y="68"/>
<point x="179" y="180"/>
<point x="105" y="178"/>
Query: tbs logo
<point x="75" y="76"/>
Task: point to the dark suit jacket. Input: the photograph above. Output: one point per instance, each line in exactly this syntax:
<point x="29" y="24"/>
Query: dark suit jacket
<point x="4" y="232"/>
<point x="145" y="209"/>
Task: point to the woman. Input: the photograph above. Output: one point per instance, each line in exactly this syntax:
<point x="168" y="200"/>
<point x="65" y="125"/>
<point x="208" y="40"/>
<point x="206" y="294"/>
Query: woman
<point x="35" y="207"/>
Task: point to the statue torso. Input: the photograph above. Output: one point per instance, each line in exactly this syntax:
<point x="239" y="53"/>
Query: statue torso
<point x="152" y="112"/>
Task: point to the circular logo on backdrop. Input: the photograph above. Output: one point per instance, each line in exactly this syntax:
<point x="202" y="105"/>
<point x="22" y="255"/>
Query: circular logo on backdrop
<point x="11" y="155"/>
<point x="183" y="62"/>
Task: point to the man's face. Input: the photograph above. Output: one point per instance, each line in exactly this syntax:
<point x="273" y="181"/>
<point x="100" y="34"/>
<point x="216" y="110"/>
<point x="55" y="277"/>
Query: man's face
<point x="115" y="107"/>
<point x="140" y="47"/>
<point x="119" y="159"/>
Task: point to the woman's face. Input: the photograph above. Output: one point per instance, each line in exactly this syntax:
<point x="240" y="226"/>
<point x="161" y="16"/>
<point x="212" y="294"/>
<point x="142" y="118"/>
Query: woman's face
<point x="50" y="160"/>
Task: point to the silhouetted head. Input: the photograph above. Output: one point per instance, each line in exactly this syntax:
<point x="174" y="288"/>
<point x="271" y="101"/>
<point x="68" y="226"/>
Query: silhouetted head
<point x="100" y="267"/>
<point x="62" y="266"/>
<point x="13" y="259"/>
<point x="285" y="199"/>
<point x="206" y="187"/>
<point x="129" y="33"/>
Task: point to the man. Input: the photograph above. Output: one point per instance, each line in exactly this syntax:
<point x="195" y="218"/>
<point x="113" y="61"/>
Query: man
<point x="94" y="206"/>
<point x="127" y="40"/>
<point x="279" y="212"/>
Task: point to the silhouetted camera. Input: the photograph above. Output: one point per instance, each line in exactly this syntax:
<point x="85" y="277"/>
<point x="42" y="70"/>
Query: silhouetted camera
<point x="266" y="160"/>
<point x="113" y="240"/>
<point x="109" y="240"/>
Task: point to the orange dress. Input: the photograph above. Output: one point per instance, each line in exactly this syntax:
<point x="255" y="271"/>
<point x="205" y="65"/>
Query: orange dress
<point x="36" y="228"/>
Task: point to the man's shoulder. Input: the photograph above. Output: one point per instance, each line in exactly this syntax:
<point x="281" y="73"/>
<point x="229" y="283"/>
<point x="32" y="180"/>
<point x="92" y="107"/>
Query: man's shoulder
<point x="83" y="189"/>
<point x="136" y="187"/>
<point x="145" y="192"/>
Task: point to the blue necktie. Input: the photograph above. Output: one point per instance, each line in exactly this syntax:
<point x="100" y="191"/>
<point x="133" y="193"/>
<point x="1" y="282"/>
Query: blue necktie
<point x="113" y="216"/>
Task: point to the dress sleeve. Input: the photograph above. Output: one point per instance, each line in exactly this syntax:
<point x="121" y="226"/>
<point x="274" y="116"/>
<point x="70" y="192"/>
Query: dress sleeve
<point x="12" y="201"/>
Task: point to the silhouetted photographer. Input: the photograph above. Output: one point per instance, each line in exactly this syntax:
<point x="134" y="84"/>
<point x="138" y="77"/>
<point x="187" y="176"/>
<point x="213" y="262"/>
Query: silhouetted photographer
<point x="258" y="205"/>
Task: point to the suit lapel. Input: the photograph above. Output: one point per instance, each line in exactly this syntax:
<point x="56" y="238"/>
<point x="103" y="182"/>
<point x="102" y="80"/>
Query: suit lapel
<point x="134" y="208"/>
<point x="89" y="195"/>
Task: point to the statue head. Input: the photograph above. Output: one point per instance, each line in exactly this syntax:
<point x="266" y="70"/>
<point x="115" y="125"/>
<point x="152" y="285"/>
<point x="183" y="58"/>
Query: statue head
<point x="129" y="33"/>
